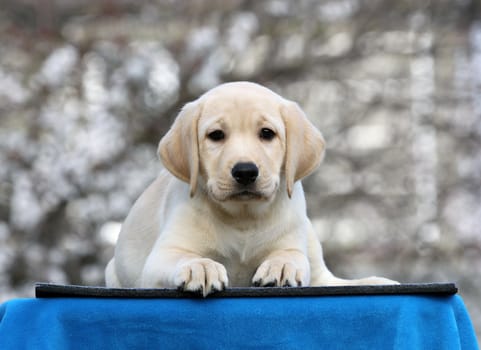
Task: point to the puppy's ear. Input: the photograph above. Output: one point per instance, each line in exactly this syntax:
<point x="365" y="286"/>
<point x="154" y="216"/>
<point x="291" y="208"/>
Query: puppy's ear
<point x="179" y="149"/>
<point x="304" y="145"/>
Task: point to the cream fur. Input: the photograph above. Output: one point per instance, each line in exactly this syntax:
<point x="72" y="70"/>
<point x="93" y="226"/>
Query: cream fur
<point x="197" y="229"/>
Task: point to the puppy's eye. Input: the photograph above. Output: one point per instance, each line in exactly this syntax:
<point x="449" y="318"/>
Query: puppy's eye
<point x="267" y="134"/>
<point x="216" y="135"/>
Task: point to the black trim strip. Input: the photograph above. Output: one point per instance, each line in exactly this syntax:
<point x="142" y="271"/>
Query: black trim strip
<point x="47" y="290"/>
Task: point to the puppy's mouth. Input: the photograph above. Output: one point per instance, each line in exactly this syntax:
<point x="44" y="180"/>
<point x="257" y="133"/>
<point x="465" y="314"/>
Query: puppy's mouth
<point x="246" y="195"/>
<point x="228" y="192"/>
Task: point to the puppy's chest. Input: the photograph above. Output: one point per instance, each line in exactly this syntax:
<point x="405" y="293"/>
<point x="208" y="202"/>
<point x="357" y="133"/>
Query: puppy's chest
<point x="241" y="260"/>
<point x="242" y="251"/>
<point x="243" y="245"/>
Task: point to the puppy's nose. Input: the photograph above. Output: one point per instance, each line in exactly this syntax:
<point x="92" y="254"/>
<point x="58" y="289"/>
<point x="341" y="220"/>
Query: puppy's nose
<point x="245" y="173"/>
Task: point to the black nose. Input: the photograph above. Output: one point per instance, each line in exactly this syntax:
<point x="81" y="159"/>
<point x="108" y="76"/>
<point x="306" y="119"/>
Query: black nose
<point x="245" y="173"/>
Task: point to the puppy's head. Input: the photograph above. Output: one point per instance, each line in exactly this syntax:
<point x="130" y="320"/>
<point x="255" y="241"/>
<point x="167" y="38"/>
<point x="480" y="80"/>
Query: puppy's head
<point x="241" y="141"/>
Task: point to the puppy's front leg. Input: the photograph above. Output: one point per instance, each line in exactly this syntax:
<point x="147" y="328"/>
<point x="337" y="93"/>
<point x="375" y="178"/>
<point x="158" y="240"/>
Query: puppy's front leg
<point x="175" y="268"/>
<point x="283" y="268"/>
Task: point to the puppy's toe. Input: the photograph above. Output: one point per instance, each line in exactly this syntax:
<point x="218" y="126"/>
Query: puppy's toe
<point x="196" y="283"/>
<point x="277" y="273"/>
<point x="289" y="276"/>
<point x="267" y="275"/>
<point x="217" y="278"/>
<point x="202" y="276"/>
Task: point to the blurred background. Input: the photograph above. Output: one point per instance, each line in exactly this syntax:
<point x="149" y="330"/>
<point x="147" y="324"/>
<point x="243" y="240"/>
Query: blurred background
<point x="87" y="89"/>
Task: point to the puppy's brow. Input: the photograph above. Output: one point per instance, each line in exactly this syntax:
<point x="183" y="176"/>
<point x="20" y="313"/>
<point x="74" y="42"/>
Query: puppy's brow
<point x="214" y="123"/>
<point x="220" y="121"/>
<point x="270" y="122"/>
<point x="263" y="119"/>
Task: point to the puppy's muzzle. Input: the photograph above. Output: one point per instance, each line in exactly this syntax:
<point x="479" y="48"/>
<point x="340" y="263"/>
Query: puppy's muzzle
<point x="245" y="173"/>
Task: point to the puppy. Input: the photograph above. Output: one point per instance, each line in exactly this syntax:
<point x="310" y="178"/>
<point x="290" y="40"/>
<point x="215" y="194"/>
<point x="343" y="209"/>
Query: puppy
<point x="230" y="209"/>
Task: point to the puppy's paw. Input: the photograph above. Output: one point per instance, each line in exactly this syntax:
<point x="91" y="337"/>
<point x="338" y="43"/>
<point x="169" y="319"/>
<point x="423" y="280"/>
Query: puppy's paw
<point x="202" y="276"/>
<point x="277" y="272"/>
<point x="374" y="280"/>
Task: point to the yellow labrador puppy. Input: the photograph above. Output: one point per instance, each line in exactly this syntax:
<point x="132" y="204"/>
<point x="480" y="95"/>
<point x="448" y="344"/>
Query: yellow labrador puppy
<point x="230" y="210"/>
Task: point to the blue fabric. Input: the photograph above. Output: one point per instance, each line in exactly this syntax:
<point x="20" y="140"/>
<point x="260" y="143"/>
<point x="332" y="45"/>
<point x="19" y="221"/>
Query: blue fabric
<point x="338" y="322"/>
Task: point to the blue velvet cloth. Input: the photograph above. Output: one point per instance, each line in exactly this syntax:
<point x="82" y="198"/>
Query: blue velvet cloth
<point x="327" y="322"/>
